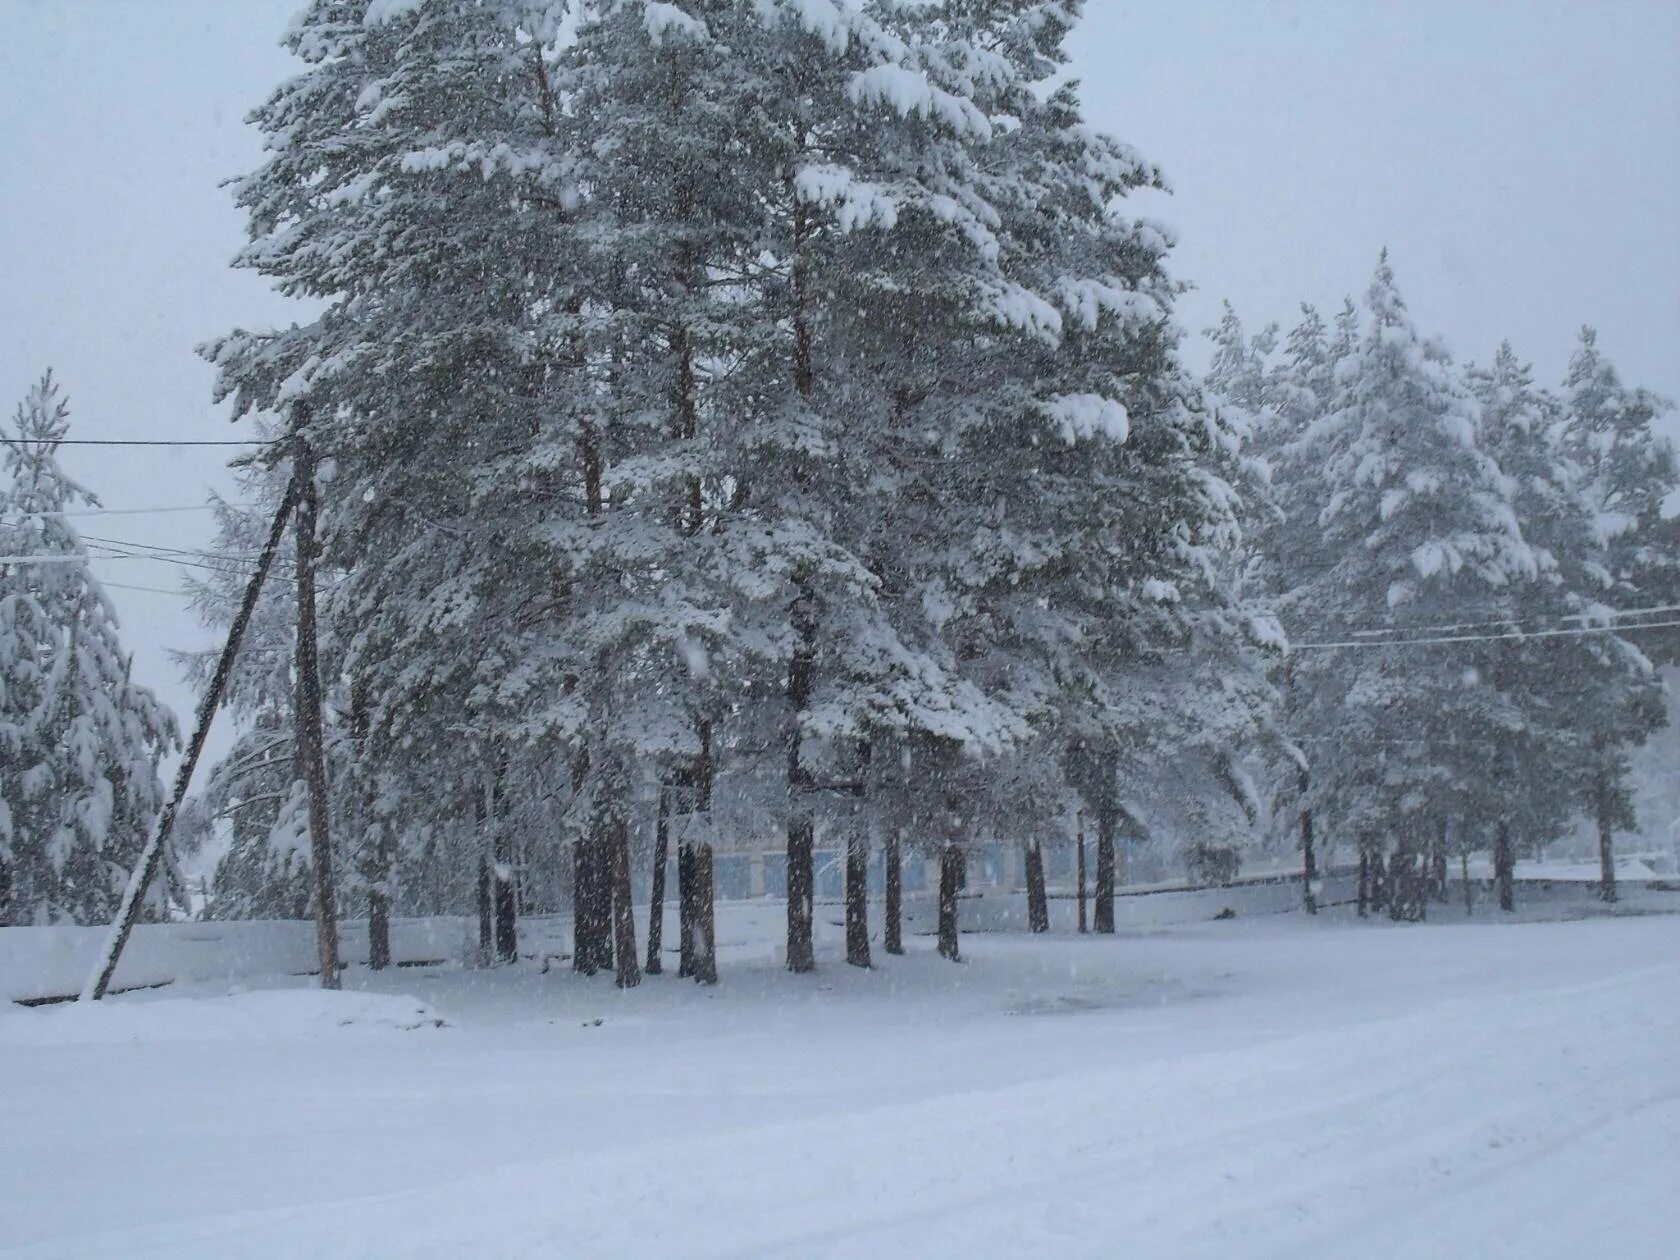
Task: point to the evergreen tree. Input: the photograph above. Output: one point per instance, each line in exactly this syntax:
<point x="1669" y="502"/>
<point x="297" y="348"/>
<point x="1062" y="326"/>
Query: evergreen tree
<point x="1396" y="519"/>
<point x="1626" y="472"/>
<point x="80" y="741"/>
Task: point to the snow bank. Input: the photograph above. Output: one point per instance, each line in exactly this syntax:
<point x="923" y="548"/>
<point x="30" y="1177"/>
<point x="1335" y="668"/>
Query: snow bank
<point x="260" y="1016"/>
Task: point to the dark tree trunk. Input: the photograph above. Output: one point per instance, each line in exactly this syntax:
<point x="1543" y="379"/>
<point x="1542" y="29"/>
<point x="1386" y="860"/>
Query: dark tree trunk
<point x="507" y="932"/>
<point x="1364" y="884"/>
<point x="1464" y="874"/>
<point x="583" y="953"/>
<point x="309" y="738"/>
<point x="950" y="880"/>
<point x="1105" y="872"/>
<point x="1309" y="856"/>
<point x="801" y="892"/>
<point x="1438" y="862"/>
<point x="705" y="917"/>
<point x="380" y="863"/>
<point x="625" y="972"/>
<point x="857" y="899"/>
<point x="1379" y="880"/>
<point x="1606" y="838"/>
<point x="1504" y="867"/>
<point x="656" y="900"/>
<point x="892" y="929"/>
<point x="705" y="890"/>
<point x="801" y="881"/>
<point x="592" y="948"/>
<point x="1038" y="900"/>
<point x="688" y="895"/>
<point x="379" y="928"/>
<point x="1407" y="885"/>
<point x="507" y="864"/>
<point x="1079" y="866"/>
<point x="486" y="933"/>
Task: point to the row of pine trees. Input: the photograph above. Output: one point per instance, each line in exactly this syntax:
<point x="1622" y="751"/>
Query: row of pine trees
<point x="763" y="420"/>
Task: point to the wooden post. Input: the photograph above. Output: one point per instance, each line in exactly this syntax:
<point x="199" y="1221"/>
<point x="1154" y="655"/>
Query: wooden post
<point x="99" y="980"/>
<point x="309" y="737"/>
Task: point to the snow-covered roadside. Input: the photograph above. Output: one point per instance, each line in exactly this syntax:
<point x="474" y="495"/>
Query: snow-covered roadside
<point x="1281" y="1087"/>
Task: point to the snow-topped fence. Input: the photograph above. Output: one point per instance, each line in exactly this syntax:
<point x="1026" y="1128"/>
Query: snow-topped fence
<point x="47" y="963"/>
<point x="50" y="963"/>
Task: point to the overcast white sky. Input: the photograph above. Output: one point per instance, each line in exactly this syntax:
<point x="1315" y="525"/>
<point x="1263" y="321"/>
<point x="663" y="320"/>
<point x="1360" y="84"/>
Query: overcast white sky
<point x="1520" y="158"/>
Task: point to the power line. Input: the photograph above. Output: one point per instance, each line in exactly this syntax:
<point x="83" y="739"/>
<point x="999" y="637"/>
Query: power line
<point x="1611" y="613"/>
<point x="9" y="441"/>
<point x="1482" y="638"/>
<point x="146" y="511"/>
<point x="150" y="590"/>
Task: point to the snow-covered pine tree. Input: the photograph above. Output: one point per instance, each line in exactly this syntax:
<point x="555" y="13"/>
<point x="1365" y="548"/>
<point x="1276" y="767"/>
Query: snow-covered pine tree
<point x="398" y="193"/>
<point x="1396" y="519"/>
<point x="1096" y="488"/>
<point x="1627" y="470"/>
<point x="80" y="741"/>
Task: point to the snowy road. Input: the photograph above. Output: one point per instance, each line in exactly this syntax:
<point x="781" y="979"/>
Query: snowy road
<point x="1254" y="1088"/>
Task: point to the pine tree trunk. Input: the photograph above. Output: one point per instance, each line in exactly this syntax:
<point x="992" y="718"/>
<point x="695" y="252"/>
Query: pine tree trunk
<point x="485" y="932"/>
<point x="1104" y="916"/>
<point x="1438" y="862"/>
<point x="705" y="917"/>
<point x="1364" y="884"/>
<point x="309" y="737"/>
<point x="1079" y="866"/>
<point x="1504" y="867"/>
<point x="626" y="975"/>
<point x="1309" y="856"/>
<point x="857" y="899"/>
<point x="379" y="928"/>
<point x="950" y="880"/>
<point x="687" y="901"/>
<point x="1038" y="901"/>
<point x="1469" y="892"/>
<point x="1606" y="840"/>
<point x="583" y="954"/>
<point x="892" y="929"/>
<point x="507" y="932"/>
<point x="592" y="948"/>
<point x="1379" y="880"/>
<point x="656" y="899"/>
<point x="705" y="900"/>
<point x="507" y="903"/>
<point x="801" y="892"/>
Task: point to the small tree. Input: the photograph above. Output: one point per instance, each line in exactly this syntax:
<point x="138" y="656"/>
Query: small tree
<point x="79" y="740"/>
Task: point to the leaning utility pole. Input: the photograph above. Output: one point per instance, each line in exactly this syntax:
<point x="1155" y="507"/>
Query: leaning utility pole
<point x="99" y="981"/>
<point x="309" y="738"/>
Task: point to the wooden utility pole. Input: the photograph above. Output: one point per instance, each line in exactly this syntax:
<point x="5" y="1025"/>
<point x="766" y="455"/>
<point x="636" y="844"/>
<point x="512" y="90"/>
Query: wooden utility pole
<point x="309" y="738"/>
<point x="152" y="855"/>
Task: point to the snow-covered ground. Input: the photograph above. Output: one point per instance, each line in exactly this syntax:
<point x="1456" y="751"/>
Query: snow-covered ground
<point x="1256" y="1087"/>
